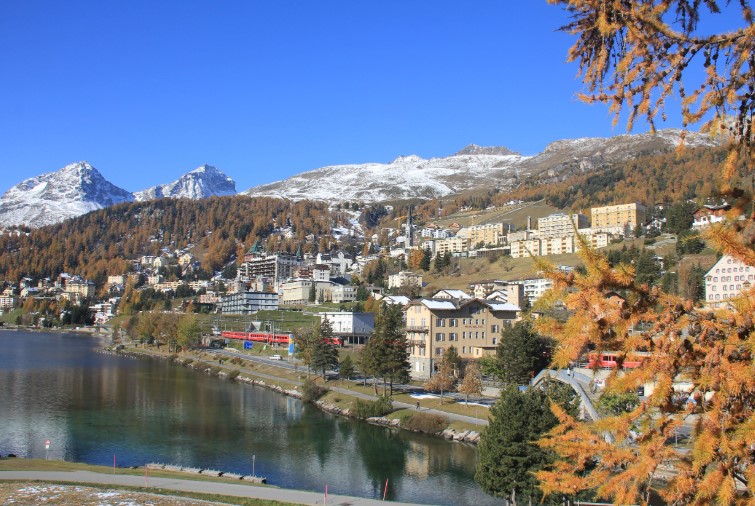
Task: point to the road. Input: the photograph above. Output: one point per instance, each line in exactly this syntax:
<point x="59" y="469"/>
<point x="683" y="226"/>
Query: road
<point x="482" y="420"/>
<point x="206" y="487"/>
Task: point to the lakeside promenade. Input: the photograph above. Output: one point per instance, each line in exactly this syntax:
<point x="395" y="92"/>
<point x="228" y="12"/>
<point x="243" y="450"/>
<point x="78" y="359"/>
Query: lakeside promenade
<point x="205" y="487"/>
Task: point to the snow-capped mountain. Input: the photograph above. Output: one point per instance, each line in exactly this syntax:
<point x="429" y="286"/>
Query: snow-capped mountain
<point x="205" y="181"/>
<point x="74" y="190"/>
<point x="79" y="188"/>
<point x="405" y="177"/>
<point x="409" y="177"/>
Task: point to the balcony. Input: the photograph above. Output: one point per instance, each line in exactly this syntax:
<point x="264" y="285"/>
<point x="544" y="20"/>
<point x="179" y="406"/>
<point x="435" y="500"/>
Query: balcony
<point x="418" y="330"/>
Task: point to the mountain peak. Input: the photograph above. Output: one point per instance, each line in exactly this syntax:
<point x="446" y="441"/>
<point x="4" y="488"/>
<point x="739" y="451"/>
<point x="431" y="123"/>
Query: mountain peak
<point x="76" y="189"/>
<point x="202" y="182"/>
<point x="406" y="159"/>
<point x="474" y="149"/>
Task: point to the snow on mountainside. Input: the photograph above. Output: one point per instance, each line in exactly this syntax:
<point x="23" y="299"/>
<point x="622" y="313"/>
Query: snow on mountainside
<point x="74" y="190"/>
<point x="473" y="167"/>
<point x="585" y="154"/>
<point x="205" y="181"/>
<point x="403" y="178"/>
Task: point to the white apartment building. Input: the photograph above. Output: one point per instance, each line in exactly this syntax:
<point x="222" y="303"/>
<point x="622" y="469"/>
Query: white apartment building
<point x="534" y="288"/>
<point x="726" y="280"/>
<point x="343" y="293"/>
<point x="561" y="225"/>
<point x="522" y="235"/>
<point x="119" y="279"/>
<point x="404" y="278"/>
<point x="354" y="328"/>
<point x="248" y="302"/>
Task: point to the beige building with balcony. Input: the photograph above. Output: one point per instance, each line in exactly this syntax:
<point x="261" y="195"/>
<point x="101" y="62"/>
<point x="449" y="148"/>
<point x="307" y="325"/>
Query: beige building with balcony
<point x="492" y="233"/>
<point x="726" y="280"/>
<point x="83" y="289"/>
<point x="451" y="245"/>
<point x="473" y="326"/>
<point x="620" y="220"/>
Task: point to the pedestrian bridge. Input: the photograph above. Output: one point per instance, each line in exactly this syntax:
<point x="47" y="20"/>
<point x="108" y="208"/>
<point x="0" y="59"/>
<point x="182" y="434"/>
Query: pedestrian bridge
<point x="574" y="379"/>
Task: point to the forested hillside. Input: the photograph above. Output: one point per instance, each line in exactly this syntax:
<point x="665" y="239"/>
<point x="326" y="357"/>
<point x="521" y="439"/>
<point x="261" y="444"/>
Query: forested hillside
<point x="652" y="179"/>
<point x="656" y="179"/>
<point x="103" y="241"/>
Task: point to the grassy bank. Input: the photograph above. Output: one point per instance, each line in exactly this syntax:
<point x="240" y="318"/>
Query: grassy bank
<point x="17" y="464"/>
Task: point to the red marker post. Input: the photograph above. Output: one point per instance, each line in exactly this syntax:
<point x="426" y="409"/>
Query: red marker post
<point x="47" y="448"/>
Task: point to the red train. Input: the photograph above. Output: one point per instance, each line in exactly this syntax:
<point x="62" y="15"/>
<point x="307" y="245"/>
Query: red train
<point x="609" y="360"/>
<point x="268" y="338"/>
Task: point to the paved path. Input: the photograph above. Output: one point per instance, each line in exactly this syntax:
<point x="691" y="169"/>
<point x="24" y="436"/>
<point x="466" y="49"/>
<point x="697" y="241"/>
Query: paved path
<point x="206" y="487"/>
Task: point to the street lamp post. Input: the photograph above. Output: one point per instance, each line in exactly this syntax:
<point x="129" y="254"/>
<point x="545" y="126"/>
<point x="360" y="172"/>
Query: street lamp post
<point x="254" y="457"/>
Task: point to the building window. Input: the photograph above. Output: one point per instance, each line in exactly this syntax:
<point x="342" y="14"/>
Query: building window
<point x="439" y="351"/>
<point x="452" y="322"/>
<point x="440" y="336"/>
<point x="440" y="322"/>
<point x="453" y="337"/>
<point x="495" y="340"/>
<point x="495" y="328"/>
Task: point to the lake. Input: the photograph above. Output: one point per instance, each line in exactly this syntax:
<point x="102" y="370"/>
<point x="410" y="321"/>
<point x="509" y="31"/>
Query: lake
<point x="92" y="405"/>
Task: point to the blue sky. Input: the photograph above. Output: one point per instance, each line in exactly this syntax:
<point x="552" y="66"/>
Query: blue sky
<point x="146" y="91"/>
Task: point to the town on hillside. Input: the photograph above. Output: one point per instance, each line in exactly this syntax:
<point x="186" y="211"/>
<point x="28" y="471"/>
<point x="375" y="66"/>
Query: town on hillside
<point x="346" y="289"/>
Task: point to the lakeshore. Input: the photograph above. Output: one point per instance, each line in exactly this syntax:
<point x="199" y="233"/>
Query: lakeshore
<point x="338" y="400"/>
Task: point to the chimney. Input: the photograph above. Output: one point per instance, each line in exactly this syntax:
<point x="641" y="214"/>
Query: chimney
<point x="529" y="222"/>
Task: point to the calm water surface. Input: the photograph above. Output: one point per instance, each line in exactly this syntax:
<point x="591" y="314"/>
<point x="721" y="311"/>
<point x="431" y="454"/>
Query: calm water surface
<point x="91" y="405"/>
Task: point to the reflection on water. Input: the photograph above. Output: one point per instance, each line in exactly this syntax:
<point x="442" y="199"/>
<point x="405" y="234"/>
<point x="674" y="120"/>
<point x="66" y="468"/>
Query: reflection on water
<point x="92" y="406"/>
